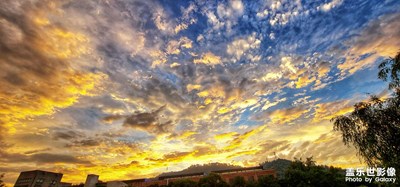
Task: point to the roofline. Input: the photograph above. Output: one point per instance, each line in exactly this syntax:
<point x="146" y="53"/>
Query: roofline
<point x="239" y="169"/>
<point x="36" y="170"/>
<point x="181" y="175"/>
<point x="135" y="180"/>
<point x="215" y="171"/>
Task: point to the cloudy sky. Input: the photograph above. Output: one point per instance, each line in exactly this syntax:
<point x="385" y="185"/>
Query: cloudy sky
<point x="128" y="89"/>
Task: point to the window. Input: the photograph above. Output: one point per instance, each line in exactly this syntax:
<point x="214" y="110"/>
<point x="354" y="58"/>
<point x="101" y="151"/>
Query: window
<point x="53" y="182"/>
<point x="26" y="180"/>
<point x="40" y="180"/>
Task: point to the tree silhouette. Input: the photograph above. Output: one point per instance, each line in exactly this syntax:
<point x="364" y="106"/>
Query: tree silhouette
<point x="238" y="181"/>
<point x="374" y="126"/>
<point x="183" y="183"/>
<point x="389" y="70"/>
<point x="268" y="180"/>
<point x="212" y="180"/>
<point x="307" y="173"/>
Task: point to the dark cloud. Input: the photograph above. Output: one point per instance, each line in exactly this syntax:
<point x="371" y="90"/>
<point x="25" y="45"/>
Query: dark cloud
<point x="133" y="163"/>
<point x="66" y="135"/>
<point x="36" y="151"/>
<point x="148" y="121"/>
<point x="57" y="158"/>
<point x="165" y="91"/>
<point x="84" y="143"/>
<point x="113" y="118"/>
<point x="35" y="60"/>
<point x="176" y="155"/>
<point x="16" y="169"/>
<point x="48" y="158"/>
<point x="205" y="150"/>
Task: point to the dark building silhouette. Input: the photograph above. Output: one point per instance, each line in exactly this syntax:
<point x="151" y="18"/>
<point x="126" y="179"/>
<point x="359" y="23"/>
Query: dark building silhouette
<point x="38" y="178"/>
<point x="91" y="180"/>
<point x="249" y="174"/>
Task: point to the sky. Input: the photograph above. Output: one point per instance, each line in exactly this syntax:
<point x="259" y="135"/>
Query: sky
<point x="132" y="88"/>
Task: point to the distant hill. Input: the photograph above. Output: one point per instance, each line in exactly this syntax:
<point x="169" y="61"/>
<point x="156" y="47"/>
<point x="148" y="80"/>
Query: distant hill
<point x="198" y="168"/>
<point x="280" y="166"/>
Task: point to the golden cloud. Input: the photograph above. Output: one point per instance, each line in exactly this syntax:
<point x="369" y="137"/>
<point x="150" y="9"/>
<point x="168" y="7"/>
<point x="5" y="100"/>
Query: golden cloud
<point x="238" y="141"/>
<point x="225" y="136"/>
<point x="304" y="81"/>
<point x="208" y="59"/>
<point x="38" y="75"/>
<point x="287" y="115"/>
<point x="213" y="92"/>
<point x="272" y="76"/>
<point x="326" y="111"/>
<point x="191" y="87"/>
<point x="159" y="58"/>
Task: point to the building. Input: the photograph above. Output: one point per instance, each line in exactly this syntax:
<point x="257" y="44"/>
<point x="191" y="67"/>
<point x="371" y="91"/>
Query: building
<point x="112" y="184"/>
<point x="91" y="180"/>
<point x="249" y="174"/>
<point x="38" y="178"/>
<point x="65" y="184"/>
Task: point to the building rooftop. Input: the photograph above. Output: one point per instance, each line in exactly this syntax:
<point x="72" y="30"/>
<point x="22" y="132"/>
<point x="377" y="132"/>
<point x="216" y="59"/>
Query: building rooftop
<point x="215" y="171"/>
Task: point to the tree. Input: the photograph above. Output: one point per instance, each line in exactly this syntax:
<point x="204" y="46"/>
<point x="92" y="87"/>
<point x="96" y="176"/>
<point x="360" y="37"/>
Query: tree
<point x="389" y="70"/>
<point x="374" y="126"/>
<point x="1" y="180"/>
<point x="307" y="173"/>
<point x="183" y="183"/>
<point x="268" y="180"/>
<point x="238" y="181"/>
<point x="212" y="180"/>
<point x="279" y="165"/>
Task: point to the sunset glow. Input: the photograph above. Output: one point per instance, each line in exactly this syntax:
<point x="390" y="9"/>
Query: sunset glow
<point x="130" y="89"/>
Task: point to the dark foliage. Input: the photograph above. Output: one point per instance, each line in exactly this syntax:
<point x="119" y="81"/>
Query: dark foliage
<point x="238" y="181"/>
<point x="212" y="180"/>
<point x="389" y="70"/>
<point x="279" y="165"/>
<point x="183" y="183"/>
<point x="307" y="173"/>
<point x="299" y="173"/>
<point x="268" y="181"/>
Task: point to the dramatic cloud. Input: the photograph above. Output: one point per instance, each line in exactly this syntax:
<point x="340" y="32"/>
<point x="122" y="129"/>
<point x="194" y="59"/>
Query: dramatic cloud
<point x="42" y="158"/>
<point x="84" y="143"/>
<point x="93" y="86"/>
<point x="287" y="115"/>
<point x="37" y="70"/>
<point x="148" y="121"/>
<point x="326" y="111"/>
<point x="376" y="40"/>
